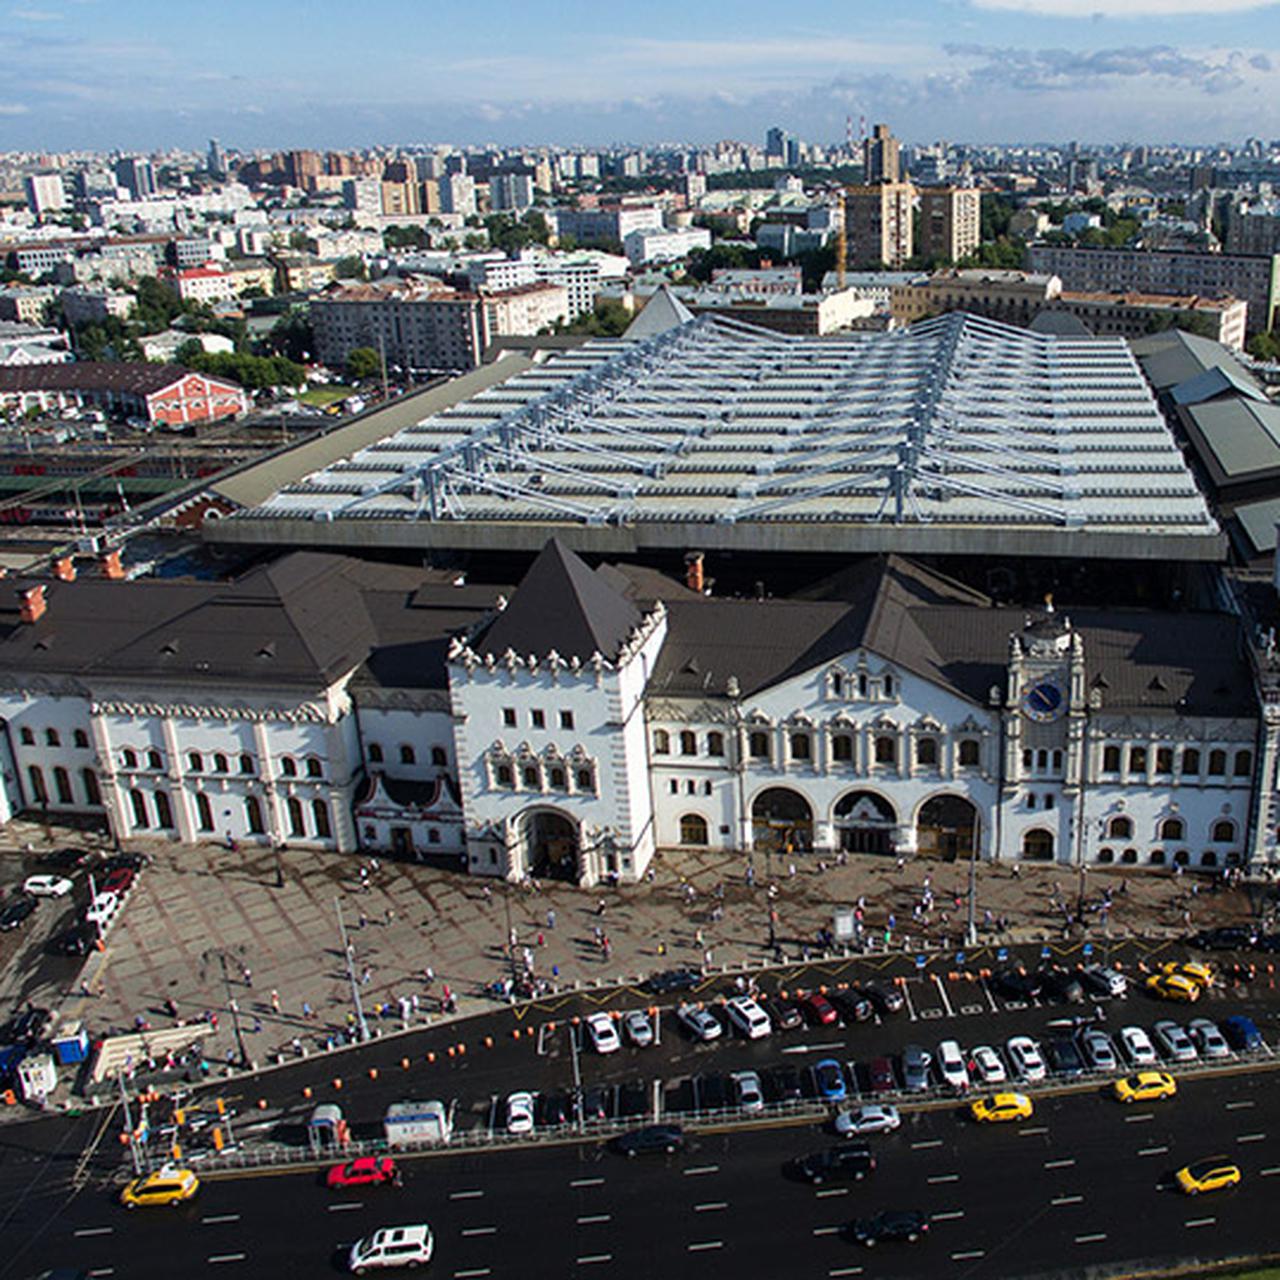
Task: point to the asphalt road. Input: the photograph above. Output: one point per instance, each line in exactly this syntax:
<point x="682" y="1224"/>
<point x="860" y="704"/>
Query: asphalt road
<point x="1084" y="1182"/>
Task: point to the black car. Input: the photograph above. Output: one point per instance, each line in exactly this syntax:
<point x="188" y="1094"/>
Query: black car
<point x="785" y="1015"/>
<point x="79" y="940"/>
<point x="853" y="1161"/>
<point x="711" y="1092"/>
<point x="653" y="1137"/>
<point x="908" y="1225"/>
<point x="886" y="999"/>
<point x="27" y="1028"/>
<point x="1016" y="984"/>
<point x="16" y="911"/>
<point x="661" y="984"/>
<point x="1233" y="937"/>
<point x="131" y="861"/>
<point x="852" y="1007"/>
<point x="554" y="1109"/>
<point x="633" y="1098"/>
<point x="783" y="1084"/>
<point x="1064" y="1058"/>
<point x="597" y="1103"/>
<point x="1061" y="984"/>
<point x="64" y="860"/>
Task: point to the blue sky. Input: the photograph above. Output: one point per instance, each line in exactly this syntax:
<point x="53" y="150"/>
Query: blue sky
<point x="281" y="73"/>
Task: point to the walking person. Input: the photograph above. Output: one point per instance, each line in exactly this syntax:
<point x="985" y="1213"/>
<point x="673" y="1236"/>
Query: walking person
<point x="275" y="1000"/>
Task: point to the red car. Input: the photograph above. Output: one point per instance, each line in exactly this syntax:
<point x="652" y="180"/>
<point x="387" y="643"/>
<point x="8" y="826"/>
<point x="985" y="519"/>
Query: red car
<point x="818" y="1009"/>
<point x="366" y="1171"/>
<point x="118" y="882"/>
<point x="880" y="1073"/>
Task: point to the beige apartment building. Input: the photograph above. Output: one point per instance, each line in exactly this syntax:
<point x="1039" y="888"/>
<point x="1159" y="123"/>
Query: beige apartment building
<point x="526" y="309"/>
<point x="1015" y="297"/>
<point x="877" y="223"/>
<point x="950" y="221"/>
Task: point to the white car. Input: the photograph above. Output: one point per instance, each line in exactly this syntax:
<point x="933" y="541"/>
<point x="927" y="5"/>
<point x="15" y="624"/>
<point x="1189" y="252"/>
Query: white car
<point x="750" y="1092"/>
<point x="1024" y="1058"/>
<point x="1208" y="1039"/>
<point x="47" y="886"/>
<point x="874" y="1118"/>
<point x="410" y="1246"/>
<point x="1103" y="981"/>
<point x="1136" y="1045"/>
<point x="520" y="1112"/>
<point x="701" y="1024"/>
<point x="950" y="1064"/>
<point x="102" y="909"/>
<point x="604" y="1035"/>
<point x="985" y="1065"/>
<point x="1174" y="1042"/>
<point x="747" y="1017"/>
<point x="638" y="1028"/>
<point x="1098" y="1050"/>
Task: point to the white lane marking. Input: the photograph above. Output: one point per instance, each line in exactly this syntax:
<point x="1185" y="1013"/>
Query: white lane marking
<point x="103" y="1271"/>
<point x="1269" y="1173"/>
<point x="1146" y="1115"/>
<point x="702" y="1245"/>
<point x="1153" y="1151"/>
<point x="479" y="1231"/>
<point x="344" y="1205"/>
<point x="711" y="1206"/>
<point x="1252" y="1137"/>
<point x="1242" y="1105"/>
<point x="592" y="1257"/>
<point x="906" y="995"/>
<point x="474" y="1273"/>
<point x="968" y="1253"/>
<point x="1200" y="1222"/>
<point x="831" y="1191"/>
<point x="942" y="1177"/>
<point x="845" y="1271"/>
<point x="1061" y="1200"/>
<point x="1059" y="1164"/>
<point x="814" y="1048"/>
<point x="701" y="1168"/>
<point x="222" y="1217"/>
<point x="925" y="1145"/>
<point x="94" y="1231"/>
<point x="942" y="991"/>
<point x="476" y="1194"/>
<point x="947" y="1215"/>
<point x="991" y="1000"/>
<point x="1094" y="1238"/>
<point x="826" y="1231"/>
<point x="1033" y="1131"/>
<point x="226" y="1257"/>
<point x="577" y="1182"/>
<point x="588" y="1219"/>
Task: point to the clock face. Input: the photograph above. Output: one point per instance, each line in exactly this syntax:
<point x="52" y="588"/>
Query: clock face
<point x="1044" y="700"/>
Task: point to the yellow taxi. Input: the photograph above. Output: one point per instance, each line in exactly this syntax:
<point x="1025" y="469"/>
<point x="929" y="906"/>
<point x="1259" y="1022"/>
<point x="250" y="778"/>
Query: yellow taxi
<point x="1198" y="973"/>
<point x="1174" y="986"/>
<point x="1208" y="1175"/>
<point x="1145" y="1086"/>
<point x="1001" y="1106"/>
<point x="166" y="1186"/>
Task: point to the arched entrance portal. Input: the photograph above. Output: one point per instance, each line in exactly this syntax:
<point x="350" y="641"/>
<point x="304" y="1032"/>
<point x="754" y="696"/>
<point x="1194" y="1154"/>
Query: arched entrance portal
<point x="865" y="822"/>
<point x="550" y="846"/>
<point x="947" y="827"/>
<point x="781" y="819"/>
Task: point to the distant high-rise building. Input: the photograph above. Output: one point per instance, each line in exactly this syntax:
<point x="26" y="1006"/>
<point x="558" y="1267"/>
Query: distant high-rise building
<point x="775" y="144"/>
<point x="364" y="195"/>
<point x="880" y="156"/>
<point x="795" y="153"/>
<point x="302" y="168"/>
<point x="511" y="191"/>
<point x="458" y="194"/>
<point x="45" y="193"/>
<point x="693" y="186"/>
<point x="136" y="175"/>
<point x="877" y="221"/>
<point x="216" y="162"/>
<point x="950" y="222"/>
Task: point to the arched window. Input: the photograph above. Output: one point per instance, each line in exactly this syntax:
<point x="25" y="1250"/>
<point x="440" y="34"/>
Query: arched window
<point x="888" y="686"/>
<point x="1129" y="855"/>
<point x="1208" y="858"/>
<point x="1120" y="828"/>
<point x="1243" y="764"/>
<point x="289" y="766"/>
<point x="1173" y="829"/>
<point x="246" y="764"/>
<point x="154" y="760"/>
<point x="375" y="754"/>
<point x="862" y="684"/>
<point x="886" y="749"/>
<point x="715" y="744"/>
<point x="693" y="829"/>
<point x="558" y="779"/>
<point x="313" y="767"/>
<point x="1191" y="760"/>
<point x="801" y="747"/>
<point x="89" y="781"/>
<point x="320" y="815"/>
<point x="195" y="762"/>
<point x="968" y="752"/>
<point x="1181" y="857"/>
<point x="204" y="812"/>
<point x="293" y="807"/>
<point x="503" y="775"/>
<point x="26" y="737"/>
<point x="433" y="835"/>
<point x="1057" y="762"/>
<point x="1042" y="758"/>
<point x="1037" y="845"/>
<point x="1224" y="832"/>
<point x="62" y="785"/>
<point x="1031" y="799"/>
<point x="586" y="781"/>
<point x="219" y="762"/>
<point x="81" y="739"/>
<point x="842" y="747"/>
<point x="1164" y="760"/>
<point x="138" y="802"/>
<point x="530" y="777"/>
<point x="1110" y="759"/>
<point x="927" y="751"/>
<point x="1217" y="763"/>
<point x="39" y="793"/>
<point x="837" y="684"/>
<point x="688" y="743"/>
<point x="661" y="742"/>
<point x="407" y="754"/>
<point x="1156" y="857"/>
<point x="253" y="815"/>
<point x="130" y="758"/>
<point x="759" y="746"/>
<point x="51" y="738"/>
<point x="439" y="757"/>
<point x="1106" y="855"/>
<point x="1137" y="759"/>
<point x="164" y="811"/>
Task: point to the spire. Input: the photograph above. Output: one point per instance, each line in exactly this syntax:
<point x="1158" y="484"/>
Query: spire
<point x="662" y="312"/>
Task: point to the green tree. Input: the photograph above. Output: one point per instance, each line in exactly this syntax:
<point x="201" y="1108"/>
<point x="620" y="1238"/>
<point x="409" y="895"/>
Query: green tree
<point x="363" y="362"/>
<point x="609" y="320"/>
<point x="404" y="238"/>
<point x="351" y="268"/>
<point x="1187" y="321"/>
<point x="157" y="305"/>
<point x="291" y="336"/>
<point x="1265" y="346"/>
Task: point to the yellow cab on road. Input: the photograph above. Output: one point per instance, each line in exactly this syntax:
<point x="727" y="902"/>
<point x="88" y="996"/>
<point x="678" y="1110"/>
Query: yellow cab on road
<point x="1001" y="1106"/>
<point x="1174" y="986"/>
<point x="1212" y="1174"/>
<point x="1145" y="1086"/>
<point x="166" y="1186"/>
<point x="1193" y="970"/>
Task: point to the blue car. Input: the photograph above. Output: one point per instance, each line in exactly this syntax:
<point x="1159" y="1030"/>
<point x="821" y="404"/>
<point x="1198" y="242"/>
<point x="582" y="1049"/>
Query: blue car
<point x="1242" y="1032"/>
<point x="829" y="1080"/>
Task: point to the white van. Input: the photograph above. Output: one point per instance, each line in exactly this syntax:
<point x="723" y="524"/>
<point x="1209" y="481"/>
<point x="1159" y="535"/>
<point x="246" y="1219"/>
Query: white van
<point x="955" y="1075"/>
<point x="748" y="1017"/>
<point x="410" y="1246"/>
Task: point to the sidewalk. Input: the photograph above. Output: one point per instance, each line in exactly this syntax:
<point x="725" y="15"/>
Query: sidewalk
<point x="198" y="907"/>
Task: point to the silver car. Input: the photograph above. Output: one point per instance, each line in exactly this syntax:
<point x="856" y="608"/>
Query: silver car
<point x="750" y="1092"/>
<point x="1174" y="1042"/>
<point x="873" y="1118"/>
<point x="702" y="1024"/>
<point x="1098" y="1050"/>
<point x="1025" y="1058"/>
<point x="915" y="1068"/>
<point x="638" y="1028"/>
<point x="1208" y="1039"/>
<point x="1137" y="1047"/>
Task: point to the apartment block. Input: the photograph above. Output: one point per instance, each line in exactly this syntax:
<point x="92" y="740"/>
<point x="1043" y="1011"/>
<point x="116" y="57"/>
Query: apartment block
<point x="950" y="222"/>
<point x="878" y="225"/>
<point x="45" y="193"/>
<point x="880" y="158"/>
<point x="526" y="308"/>
<point x="1015" y="297"/>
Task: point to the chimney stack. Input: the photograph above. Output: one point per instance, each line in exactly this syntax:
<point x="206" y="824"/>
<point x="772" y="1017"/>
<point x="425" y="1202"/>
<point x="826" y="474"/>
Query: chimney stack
<point x="693" y="578"/>
<point x="64" y="569"/>
<point x="111" y="567"/>
<point x="31" y="603"/>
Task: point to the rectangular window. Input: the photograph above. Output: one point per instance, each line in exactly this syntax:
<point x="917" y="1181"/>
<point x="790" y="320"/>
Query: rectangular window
<point x="1137" y="759"/>
<point x="1164" y="760"/>
<point x="509" y="717"/>
<point x="538" y="719"/>
<point x="566" y="719"/>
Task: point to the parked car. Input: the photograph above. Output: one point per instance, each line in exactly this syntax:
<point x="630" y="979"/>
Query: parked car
<point x="1098" y="1050"/>
<point x="102" y="910"/>
<point x="366" y="1171"/>
<point x="750" y="1092"/>
<point x="747" y="1017"/>
<point x="602" y="1033"/>
<point x="1242" y="1033"/>
<point x="1015" y="984"/>
<point x="893" y="1225"/>
<point x="65" y="859"/>
<point x="652" y="1137"/>
<point x="818" y="1009"/>
<point x="1174" y="986"/>
<point x="1024" y="1058"/>
<point x="166" y="1186"/>
<point x="785" y="1014"/>
<point x="1063" y="1057"/>
<point x="520" y="1112"/>
<point x="915" y="1068"/>
<point x="1208" y="1039"/>
<point x="134" y="861"/>
<point x="119" y="881"/>
<point x="1174" y="1042"/>
<point x="27" y="1028"/>
<point x="828" y="1080"/>
<point x="852" y="1007"/>
<point x="853" y="1161"/>
<point x="638" y="1028"/>
<point x="886" y="999"/>
<point x="47" y="886"/>
<point x="1101" y="981"/>
<point x="1061" y="984"/>
<point x="700" y="1023"/>
<point x="873" y="1118"/>
<point x="554" y="1109"/>
<point x="1136" y="1046"/>
<point x="596" y="1103"/>
<point x="15" y="912"/>
<point x="672" y="980"/>
<point x="951" y="1067"/>
<point x="985" y="1066"/>
<point x="1193" y="970"/>
<point x="1232" y="937"/>
<point x="881" y="1077"/>
<point x="784" y="1084"/>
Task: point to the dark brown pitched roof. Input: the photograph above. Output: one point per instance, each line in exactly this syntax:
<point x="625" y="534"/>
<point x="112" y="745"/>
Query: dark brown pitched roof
<point x="132" y="378"/>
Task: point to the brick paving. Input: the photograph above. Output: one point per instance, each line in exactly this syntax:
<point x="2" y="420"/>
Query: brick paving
<point x="197" y="906"/>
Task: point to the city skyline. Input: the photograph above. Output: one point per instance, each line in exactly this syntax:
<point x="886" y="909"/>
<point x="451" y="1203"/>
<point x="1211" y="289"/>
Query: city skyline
<point x="140" y="76"/>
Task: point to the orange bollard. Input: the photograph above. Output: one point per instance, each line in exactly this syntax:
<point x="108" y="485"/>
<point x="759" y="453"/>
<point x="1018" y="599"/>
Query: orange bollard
<point x="488" y="1042"/>
<point x="337" y="1082"/>
<point x="451" y="1051"/>
<point x="822" y="990"/>
<point x="431" y="1056"/>
<point x="404" y="1063"/>
<point x="515" y="1033"/>
<point x="306" y="1092"/>
<point x="262" y="1104"/>
<point x="462" y="1050"/>
<point x="373" y="1073"/>
<point x="551" y="1027"/>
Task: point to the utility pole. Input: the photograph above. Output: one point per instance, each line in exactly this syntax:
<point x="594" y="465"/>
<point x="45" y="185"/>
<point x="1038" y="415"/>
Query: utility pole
<point x="233" y="1005"/>
<point x="971" y="929"/>
<point x="136" y="1155"/>
<point x="361" y="1024"/>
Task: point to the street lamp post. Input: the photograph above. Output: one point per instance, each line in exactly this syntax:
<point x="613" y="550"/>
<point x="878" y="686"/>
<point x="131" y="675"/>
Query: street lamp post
<point x="971" y="930"/>
<point x="351" y="972"/>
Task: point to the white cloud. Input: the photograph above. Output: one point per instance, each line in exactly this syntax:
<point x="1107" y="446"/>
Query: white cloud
<point x="35" y="15"/>
<point x="1124" y="8"/>
<point x="14" y="109"/>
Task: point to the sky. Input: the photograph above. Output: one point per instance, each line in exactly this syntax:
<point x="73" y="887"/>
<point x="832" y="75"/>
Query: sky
<point x="155" y="74"/>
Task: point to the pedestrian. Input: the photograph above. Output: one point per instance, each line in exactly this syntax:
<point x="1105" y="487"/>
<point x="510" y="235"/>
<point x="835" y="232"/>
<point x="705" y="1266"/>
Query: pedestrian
<point x="366" y="977"/>
<point x="374" y="866"/>
<point x="257" y="1024"/>
<point x="307" y="1011"/>
<point x="390" y="915"/>
<point x="551" y="917"/>
<point x="662" y="947"/>
<point x="247" y="974"/>
<point x="697" y="937"/>
<point x="414" y="1003"/>
<point x="213" y="1021"/>
<point x="542" y="939"/>
<point x="487" y="893"/>
<point x="275" y="1000"/>
<point x="707" y="957"/>
<point x="364" y="919"/>
<point x="1017" y="870"/>
<point x="297" y="1046"/>
<point x="600" y="907"/>
<point x="429" y="975"/>
<point x="791" y="871"/>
